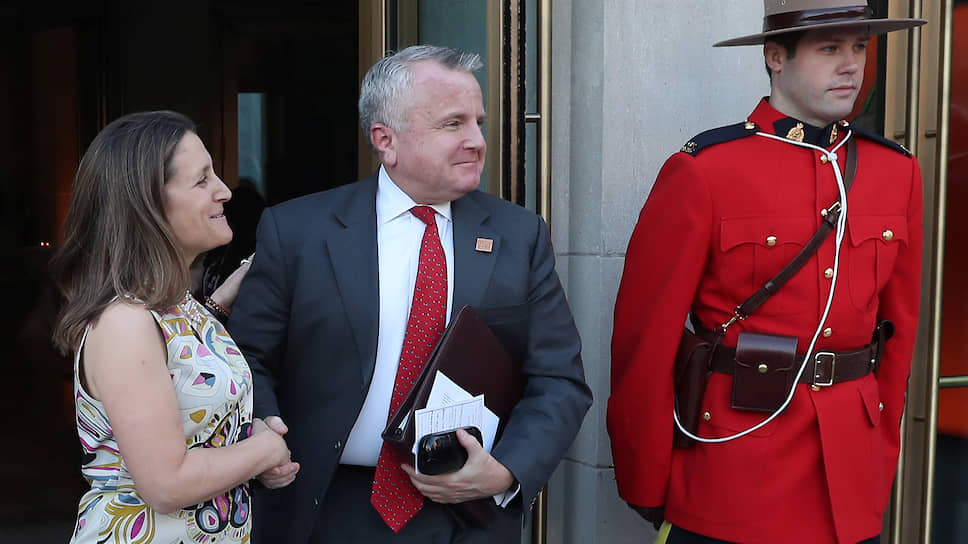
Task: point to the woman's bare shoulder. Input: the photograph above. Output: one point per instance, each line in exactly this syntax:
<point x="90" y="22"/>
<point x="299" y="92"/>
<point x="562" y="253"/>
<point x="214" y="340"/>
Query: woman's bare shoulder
<point x="127" y="324"/>
<point x="123" y="316"/>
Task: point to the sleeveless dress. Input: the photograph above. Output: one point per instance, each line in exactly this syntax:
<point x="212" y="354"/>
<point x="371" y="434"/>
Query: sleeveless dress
<point x="213" y="386"/>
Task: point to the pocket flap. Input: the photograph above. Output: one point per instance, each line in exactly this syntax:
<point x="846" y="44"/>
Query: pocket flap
<point x="756" y="230"/>
<point x="871" y="397"/>
<point x="778" y="353"/>
<point x="886" y="228"/>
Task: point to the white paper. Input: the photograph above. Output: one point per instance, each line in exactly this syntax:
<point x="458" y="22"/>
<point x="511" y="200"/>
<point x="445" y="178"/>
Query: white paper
<point x="463" y="413"/>
<point x="449" y="406"/>
<point x="445" y="392"/>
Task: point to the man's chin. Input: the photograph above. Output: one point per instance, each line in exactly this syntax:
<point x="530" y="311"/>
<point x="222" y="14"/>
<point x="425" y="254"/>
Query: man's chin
<point x="469" y="186"/>
<point x="833" y="115"/>
<point x="468" y="181"/>
<point x="841" y="108"/>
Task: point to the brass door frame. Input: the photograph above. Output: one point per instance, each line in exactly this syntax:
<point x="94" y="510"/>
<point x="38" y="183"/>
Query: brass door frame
<point x="372" y="47"/>
<point x="918" y="99"/>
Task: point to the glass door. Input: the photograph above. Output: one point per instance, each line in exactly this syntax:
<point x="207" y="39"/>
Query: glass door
<point x="949" y="516"/>
<point x="926" y="111"/>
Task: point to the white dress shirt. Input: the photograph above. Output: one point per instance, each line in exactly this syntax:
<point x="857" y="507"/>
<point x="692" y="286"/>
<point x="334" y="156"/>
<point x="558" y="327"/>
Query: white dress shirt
<point x="399" y="234"/>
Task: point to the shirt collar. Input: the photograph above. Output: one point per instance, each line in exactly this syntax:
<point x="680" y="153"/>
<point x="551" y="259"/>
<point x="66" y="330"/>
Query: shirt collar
<point x="392" y="202"/>
<point x="772" y="121"/>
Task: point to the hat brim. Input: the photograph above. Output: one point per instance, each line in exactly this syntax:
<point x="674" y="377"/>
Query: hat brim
<point x="874" y="26"/>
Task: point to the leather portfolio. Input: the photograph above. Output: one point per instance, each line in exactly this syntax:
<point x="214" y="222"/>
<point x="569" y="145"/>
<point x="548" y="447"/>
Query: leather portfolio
<point x="470" y="355"/>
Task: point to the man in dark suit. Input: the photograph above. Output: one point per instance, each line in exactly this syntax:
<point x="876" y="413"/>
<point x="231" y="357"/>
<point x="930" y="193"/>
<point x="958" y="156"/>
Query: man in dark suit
<point x="322" y="318"/>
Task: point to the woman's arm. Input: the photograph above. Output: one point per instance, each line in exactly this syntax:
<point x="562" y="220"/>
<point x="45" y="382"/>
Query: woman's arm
<point x="124" y="363"/>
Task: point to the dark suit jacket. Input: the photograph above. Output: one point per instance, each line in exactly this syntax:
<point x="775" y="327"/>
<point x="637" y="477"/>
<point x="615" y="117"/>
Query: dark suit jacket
<point x="306" y="320"/>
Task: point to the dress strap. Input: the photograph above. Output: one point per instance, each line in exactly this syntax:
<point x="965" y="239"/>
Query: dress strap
<point x="77" y="358"/>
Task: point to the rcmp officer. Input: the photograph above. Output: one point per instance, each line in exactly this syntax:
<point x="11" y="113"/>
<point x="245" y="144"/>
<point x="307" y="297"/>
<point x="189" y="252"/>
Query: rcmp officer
<point x="742" y="201"/>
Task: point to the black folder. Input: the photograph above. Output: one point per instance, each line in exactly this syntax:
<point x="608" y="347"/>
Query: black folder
<point x="470" y="355"/>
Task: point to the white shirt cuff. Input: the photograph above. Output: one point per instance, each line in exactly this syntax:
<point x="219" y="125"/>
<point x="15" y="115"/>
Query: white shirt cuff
<point x="503" y="499"/>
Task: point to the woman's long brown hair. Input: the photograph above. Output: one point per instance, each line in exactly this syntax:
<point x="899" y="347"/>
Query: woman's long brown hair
<point x="117" y="240"/>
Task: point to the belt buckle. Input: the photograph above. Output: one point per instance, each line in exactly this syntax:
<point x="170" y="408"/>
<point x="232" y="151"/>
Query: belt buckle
<point x="821" y="360"/>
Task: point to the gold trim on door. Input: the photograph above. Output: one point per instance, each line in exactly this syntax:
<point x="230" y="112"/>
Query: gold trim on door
<point x="917" y="92"/>
<point x="372" y="47"/>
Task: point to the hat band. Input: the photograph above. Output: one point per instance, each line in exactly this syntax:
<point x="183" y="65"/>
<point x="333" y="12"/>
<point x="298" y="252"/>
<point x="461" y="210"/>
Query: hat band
<point x="807" y="17"/>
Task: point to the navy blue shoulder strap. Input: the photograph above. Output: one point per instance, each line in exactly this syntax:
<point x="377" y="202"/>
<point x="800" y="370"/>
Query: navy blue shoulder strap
<point x="875" y="137"/>
<point x="719" y="135"/>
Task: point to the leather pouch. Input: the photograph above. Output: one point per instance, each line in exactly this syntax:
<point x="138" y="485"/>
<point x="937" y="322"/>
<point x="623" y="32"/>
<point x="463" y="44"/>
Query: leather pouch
<point x="764" y="373"/>
<point x="692" y="370"/>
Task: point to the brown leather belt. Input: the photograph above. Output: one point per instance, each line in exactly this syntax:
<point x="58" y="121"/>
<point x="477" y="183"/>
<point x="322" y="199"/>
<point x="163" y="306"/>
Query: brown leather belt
<point x="823" y="368"/>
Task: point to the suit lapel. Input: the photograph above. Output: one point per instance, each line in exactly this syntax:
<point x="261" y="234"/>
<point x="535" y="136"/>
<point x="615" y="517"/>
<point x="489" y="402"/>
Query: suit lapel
<point x="472" y="268"/>
<point x="353" y="254"/>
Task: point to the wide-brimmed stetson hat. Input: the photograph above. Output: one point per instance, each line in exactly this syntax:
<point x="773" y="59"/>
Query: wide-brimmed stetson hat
<point x="783" y="16"/>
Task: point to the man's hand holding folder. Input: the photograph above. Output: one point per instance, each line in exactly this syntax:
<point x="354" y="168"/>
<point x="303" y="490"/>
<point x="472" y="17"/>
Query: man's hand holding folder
<point x="481" y="476"/>
<point x="469" y="354"/>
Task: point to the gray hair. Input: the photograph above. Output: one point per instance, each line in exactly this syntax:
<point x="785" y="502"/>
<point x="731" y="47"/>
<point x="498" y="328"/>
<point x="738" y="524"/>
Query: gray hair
<point x="386" y="91"/>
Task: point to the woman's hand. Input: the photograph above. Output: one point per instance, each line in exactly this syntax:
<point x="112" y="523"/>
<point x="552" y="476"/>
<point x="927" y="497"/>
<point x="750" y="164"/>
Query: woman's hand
<point x="279" y="452"/>
<point x="284" y="473"/>
<point x="226" y="293"/>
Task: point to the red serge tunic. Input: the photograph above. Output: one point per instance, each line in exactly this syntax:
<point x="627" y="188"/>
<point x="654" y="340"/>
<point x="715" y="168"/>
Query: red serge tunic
<point x="821" y="472"/>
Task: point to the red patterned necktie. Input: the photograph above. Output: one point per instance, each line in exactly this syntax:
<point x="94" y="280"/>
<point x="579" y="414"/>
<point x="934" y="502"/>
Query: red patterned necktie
<point x="393" y="496"/>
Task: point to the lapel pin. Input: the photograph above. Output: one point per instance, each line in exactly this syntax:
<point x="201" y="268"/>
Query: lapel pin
<point x="484" y="244"/>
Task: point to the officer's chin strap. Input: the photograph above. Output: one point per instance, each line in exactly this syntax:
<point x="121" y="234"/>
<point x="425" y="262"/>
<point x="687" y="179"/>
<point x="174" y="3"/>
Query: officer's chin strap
<point x="839" y="238"/>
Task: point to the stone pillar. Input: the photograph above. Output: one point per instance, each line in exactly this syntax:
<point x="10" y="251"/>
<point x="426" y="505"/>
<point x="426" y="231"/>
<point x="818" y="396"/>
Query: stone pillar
<point x="632" y="82"/>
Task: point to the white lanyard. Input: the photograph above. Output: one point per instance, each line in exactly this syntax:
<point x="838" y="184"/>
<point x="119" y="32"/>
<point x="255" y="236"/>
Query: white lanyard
<point x="839" y="238"/>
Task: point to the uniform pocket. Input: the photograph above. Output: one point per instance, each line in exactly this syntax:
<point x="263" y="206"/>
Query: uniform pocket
<point x="723" y="419"/>
<point x="708" y="467"/>
<point x="870" y="397"/>
<point x="874" y="243"/>
<point x="757" y="248"/>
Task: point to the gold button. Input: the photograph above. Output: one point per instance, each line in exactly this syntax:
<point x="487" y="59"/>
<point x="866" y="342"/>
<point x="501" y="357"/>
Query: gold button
<point x="771" y="240"/>
<point x="824" y="212"/>
<point x="815" y="387"/>
<point x="827" y="332"/>
<point x="888" y="235"/>
<point x="880" y="406"/>
<point x="828" y="273"/>
<point x="707" y="416"/>
<point x="823" y="159"/>
<point x="749" y="125"/>
<point x="763" y="368"/>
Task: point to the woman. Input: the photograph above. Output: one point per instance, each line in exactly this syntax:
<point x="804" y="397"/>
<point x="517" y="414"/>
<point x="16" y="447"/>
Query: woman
<point x="163" y="397"/>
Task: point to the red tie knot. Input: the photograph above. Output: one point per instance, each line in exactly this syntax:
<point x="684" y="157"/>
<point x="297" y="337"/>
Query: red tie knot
<point x="423" y="213"/>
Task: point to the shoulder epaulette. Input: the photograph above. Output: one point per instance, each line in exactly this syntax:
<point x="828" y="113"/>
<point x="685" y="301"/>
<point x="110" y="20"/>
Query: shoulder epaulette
<point x="719" y="135"/>
<point x="875" y="137"/>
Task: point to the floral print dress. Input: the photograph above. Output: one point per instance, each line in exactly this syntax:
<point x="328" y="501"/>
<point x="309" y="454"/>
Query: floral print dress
<point x="213" y="386"/>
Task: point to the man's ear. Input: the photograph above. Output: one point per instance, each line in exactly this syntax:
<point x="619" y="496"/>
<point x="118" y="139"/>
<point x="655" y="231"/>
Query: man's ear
<point x="775" y="56"/>
<point x="384" y="141"/>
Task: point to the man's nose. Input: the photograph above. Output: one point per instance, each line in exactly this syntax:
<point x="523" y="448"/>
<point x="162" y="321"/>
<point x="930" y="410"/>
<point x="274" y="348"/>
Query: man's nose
<point x="852" y="61"/>
<point x="475" y="139"/>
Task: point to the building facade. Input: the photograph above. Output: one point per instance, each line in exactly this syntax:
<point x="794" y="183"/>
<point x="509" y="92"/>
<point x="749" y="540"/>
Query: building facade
<point x="585" y="100"/>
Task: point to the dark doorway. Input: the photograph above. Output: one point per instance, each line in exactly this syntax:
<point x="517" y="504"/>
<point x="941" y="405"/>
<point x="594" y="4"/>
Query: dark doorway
<point x="300" y="67"/>
<point x="67" y="67"/>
